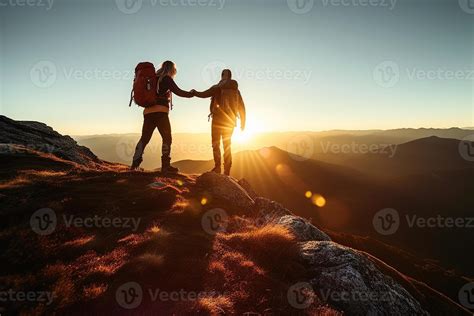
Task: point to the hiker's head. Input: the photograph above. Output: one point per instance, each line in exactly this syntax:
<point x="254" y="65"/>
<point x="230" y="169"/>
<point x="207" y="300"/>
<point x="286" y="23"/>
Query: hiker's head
<point x="168" y="68"/>
<point x="226" y="74"/>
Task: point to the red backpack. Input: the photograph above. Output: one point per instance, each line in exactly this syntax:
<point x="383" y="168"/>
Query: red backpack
<point x="144" y="85"/>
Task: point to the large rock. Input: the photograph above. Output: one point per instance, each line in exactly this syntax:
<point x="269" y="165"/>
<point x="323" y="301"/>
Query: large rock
<point x="42" y="138"/>
<point x="248" y="188"/>
<point x="269" y="210"/>
<point x="348" y="280"/>
<point x="225" y="188"/>
<point x="302" y="229"/>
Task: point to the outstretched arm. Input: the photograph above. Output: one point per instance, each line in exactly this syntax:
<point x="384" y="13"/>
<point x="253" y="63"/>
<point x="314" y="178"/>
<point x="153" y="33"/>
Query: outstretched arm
<point x="206" y="94"/>
<point x="176" y="90"/>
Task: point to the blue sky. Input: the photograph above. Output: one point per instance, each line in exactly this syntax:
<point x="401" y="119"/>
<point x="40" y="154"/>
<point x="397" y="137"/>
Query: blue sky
<point x="332" y="64"/>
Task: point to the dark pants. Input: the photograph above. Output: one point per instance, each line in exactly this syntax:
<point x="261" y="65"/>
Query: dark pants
<point x="222" y="129"/>
<point x="151" y="121"/>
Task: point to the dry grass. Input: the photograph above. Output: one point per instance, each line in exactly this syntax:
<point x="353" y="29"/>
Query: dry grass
<point x="248" y="269"/>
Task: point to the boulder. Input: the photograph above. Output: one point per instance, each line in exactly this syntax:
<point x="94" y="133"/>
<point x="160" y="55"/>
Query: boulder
<point x="35" y="136"/>
<point x="269" y="210"/>
<point x="348" y="280"/>
<point x="226" y="189"/>
<point x="248" y="188"/>
<point x="302" y="228"/>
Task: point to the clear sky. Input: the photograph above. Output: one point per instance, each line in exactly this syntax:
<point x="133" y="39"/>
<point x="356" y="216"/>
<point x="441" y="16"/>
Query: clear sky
<point x="301" y="64"/>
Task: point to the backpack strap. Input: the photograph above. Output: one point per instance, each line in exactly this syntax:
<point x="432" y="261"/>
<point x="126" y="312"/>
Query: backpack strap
<point x="131" y="98"/>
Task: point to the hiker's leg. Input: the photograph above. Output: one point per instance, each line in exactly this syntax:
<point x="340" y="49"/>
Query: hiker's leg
<point x="147" y="132"/>
<point x="216" y="135"/>
<point x="164" y="127"/>
<point x="227" y="141"/>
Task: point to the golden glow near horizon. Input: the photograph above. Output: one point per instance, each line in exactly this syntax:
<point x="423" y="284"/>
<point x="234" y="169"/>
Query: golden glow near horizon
<point x="246" y="136"/>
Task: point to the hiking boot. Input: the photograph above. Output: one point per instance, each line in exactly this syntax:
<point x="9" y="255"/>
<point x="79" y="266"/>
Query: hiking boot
<point x="169" y="169"/>
<point x="217" y="169"/>
<point x="136" y="165"/>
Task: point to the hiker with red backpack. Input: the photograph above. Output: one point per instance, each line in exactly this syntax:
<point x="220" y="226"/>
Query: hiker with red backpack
<point x="226" y="106"/>
<point x="154" y="92"/>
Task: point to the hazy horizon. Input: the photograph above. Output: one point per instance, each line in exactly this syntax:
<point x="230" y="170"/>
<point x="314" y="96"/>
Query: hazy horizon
<point x="286" y="131"/>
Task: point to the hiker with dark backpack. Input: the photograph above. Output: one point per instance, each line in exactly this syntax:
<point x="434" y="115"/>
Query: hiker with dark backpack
<point x="226" y="106"/>
<point x="154" y="92"/>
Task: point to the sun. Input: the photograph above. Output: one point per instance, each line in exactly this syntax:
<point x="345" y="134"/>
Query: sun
<point x="245" y="136"/>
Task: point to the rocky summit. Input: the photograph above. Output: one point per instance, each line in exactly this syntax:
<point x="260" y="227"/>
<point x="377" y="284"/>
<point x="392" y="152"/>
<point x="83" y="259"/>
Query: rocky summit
<point x="121" y="242"/>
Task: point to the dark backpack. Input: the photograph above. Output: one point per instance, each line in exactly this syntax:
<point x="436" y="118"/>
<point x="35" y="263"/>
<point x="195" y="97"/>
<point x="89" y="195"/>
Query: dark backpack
<point x="144" y="85"/>
<point x="229" y="101"/>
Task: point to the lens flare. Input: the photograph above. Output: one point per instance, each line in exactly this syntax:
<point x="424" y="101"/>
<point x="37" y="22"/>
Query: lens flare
<point x="318" y="200"/>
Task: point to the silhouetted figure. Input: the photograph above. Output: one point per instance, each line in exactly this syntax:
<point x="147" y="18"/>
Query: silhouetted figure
<point x="156" y="116"/>
<point x="226" y="105"/>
